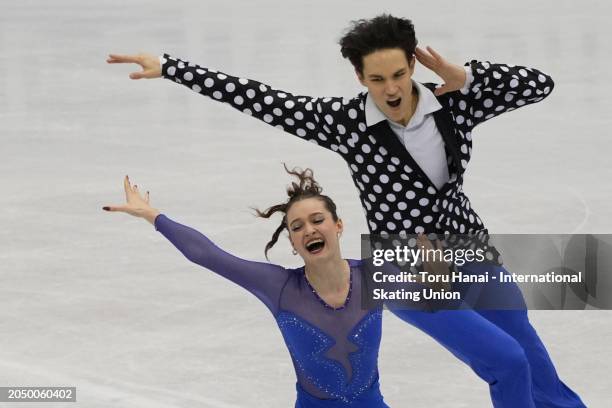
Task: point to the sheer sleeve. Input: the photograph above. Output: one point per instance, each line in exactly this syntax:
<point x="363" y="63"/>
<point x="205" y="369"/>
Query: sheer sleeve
<point x="264" y="280"/>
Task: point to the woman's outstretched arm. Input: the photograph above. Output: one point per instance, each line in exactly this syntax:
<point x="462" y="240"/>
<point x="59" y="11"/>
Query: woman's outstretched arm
<point x="264" y="280"/>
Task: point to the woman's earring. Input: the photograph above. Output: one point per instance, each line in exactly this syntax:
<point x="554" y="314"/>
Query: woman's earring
<point x="294" y="252"/>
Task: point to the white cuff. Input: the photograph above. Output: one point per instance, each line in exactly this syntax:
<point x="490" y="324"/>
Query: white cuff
<point x="469" y="77"/>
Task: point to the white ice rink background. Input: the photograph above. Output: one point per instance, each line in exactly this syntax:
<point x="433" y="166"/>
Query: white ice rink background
<point x="102" y="302"/>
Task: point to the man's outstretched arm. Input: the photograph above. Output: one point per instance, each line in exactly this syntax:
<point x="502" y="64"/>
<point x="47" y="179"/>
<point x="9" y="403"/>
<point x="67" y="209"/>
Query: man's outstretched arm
<point x="316" y="120"/>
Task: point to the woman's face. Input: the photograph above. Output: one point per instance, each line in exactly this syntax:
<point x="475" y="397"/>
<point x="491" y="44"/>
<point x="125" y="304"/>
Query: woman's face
<point x="312" y="230"/>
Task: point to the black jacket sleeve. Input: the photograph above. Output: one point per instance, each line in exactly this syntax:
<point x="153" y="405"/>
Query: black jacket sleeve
<point x="316" y="120"/>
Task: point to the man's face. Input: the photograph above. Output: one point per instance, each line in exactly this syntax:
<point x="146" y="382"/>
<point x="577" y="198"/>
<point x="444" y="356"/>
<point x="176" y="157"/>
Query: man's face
<point x="387" y="75"/>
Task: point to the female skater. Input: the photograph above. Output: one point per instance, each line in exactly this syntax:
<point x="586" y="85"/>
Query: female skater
<point x="332" y="341"/>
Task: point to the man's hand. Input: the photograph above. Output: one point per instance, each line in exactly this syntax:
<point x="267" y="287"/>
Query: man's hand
<point x="453" y="75"/>
<point x="136" y="205"/>
<point x="435" y="266"/>
<point x="151" y="67"/>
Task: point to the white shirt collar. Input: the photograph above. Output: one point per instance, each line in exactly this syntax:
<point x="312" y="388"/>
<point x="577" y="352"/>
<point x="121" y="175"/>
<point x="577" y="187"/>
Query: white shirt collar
<point x="426" y="104"/>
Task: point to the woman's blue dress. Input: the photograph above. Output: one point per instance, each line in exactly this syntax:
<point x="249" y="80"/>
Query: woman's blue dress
<point x="334" y="350"/>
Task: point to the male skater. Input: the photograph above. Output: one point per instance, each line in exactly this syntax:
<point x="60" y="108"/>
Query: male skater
<point x="407" y="146"/>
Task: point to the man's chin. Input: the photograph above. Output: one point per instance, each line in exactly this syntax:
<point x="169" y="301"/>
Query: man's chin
<point x="395" y="116"/>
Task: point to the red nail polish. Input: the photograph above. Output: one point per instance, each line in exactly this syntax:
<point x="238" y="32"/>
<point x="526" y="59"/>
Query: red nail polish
<point x="106" y="208"/>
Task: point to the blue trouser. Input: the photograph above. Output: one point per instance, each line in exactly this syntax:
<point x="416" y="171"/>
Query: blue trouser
<point x="500" y="346"/>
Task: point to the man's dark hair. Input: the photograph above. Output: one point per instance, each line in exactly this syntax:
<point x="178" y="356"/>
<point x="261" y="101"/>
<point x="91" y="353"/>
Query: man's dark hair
<point x="381" y="32"/>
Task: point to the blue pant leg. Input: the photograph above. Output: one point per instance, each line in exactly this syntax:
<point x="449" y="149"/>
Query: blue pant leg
<point x="548" y="390"/>
<point x="494" y="355"/>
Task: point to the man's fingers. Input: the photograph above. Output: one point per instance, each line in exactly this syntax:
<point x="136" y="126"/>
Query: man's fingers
<point x="423" y="61"/>
<point x="111" y="60"/>
<point x="424" y="242"/>
<point x="137" y="75"/>
<point x="434" y="53"/>
<point x="147" y="197"/>
<point x="427" y="64"/>
<point x="420" y="51"/>
<point x="424" y="58"/>
<point x="118" y="59"/>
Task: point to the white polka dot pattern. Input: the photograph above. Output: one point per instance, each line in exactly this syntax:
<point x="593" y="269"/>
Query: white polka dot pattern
<point x="397" y="198"/>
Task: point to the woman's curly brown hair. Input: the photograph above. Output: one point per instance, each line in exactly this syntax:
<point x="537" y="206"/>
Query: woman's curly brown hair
<point x="306" y="187"/>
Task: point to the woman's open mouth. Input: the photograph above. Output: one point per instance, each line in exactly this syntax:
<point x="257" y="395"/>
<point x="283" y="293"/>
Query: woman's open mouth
<point x="315" y="246"/>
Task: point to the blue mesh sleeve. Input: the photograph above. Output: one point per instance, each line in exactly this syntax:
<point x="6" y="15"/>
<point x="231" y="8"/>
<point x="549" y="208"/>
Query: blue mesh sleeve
<point x="264" y="280"/>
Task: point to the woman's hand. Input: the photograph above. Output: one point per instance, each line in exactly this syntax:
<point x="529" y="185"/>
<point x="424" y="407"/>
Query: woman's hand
<point x="136" y="205"/>
<point x="151" y="68"/>
<point x="453" y="75"/>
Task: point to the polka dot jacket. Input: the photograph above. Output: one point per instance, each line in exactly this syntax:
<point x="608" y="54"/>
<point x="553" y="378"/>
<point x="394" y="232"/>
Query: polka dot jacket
<point x="396" y="194"/>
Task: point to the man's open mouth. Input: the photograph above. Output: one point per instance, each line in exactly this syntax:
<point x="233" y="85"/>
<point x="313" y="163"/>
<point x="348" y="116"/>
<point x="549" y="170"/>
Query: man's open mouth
<point x="315" y="246"/>
<point x="395" y="103"/>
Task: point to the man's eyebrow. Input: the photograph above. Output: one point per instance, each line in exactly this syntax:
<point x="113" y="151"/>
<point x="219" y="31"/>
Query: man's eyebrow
<point x="399" y="71"/>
